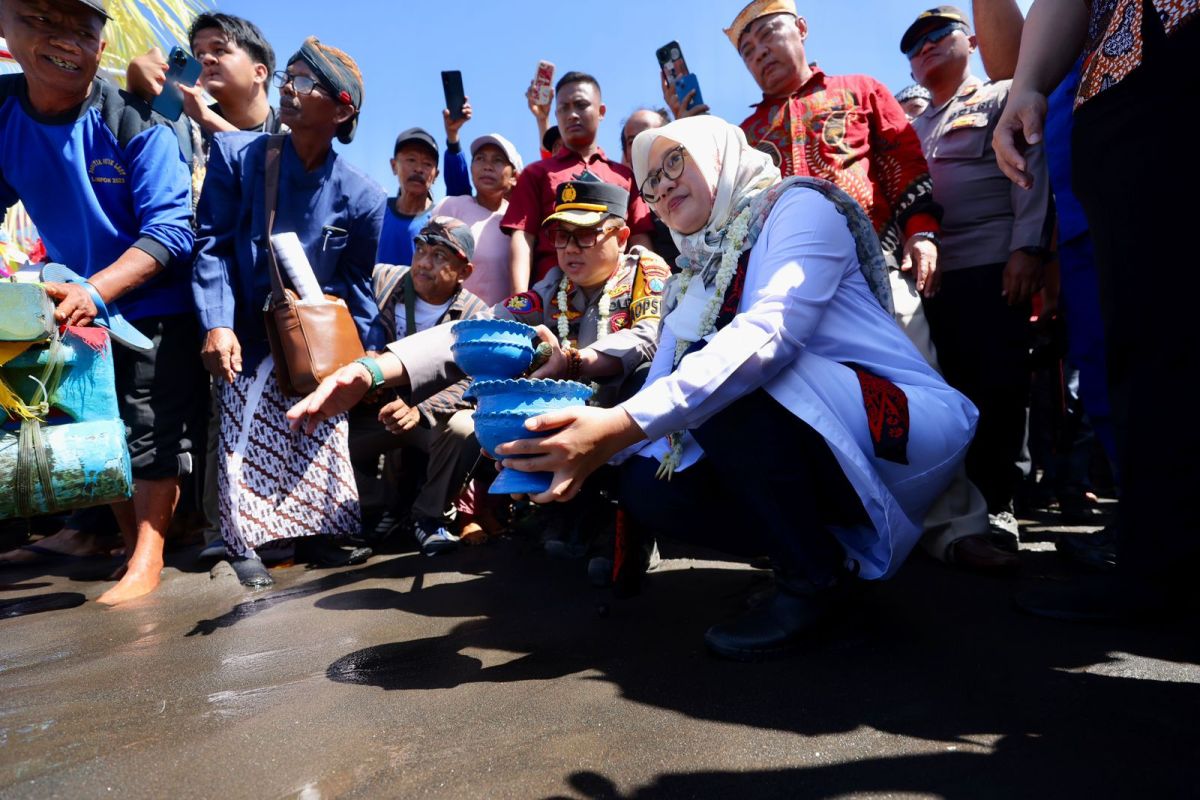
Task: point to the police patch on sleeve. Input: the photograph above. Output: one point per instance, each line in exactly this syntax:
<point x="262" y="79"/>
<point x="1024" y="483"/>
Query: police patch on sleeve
<point x="524" y="304"/>
<point x="619" y="321"/>
<point x="648" y="287"/>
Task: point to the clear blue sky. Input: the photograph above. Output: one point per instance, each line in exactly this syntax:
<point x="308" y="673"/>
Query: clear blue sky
<point x="402" y="47"/>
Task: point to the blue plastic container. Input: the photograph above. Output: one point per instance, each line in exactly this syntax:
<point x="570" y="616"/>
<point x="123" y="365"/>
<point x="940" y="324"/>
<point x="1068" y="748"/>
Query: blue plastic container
<point x="500" y="417"/>
<point x="523" y="394"/>
<point x="492" y="349"/>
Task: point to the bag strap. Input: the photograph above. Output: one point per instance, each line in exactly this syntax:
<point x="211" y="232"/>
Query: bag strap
<point x="410" y="304"/>
<point x="271" y="198"/>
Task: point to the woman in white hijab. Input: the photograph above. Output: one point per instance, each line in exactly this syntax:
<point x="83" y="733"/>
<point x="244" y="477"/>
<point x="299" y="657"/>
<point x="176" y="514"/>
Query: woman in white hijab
<point x="784" y="398"/>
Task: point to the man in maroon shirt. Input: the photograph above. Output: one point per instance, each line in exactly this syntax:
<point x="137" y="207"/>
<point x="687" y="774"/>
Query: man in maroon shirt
<point x="579" y="110"/>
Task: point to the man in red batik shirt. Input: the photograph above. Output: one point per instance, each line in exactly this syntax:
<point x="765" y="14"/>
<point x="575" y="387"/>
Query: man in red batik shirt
<point x="849" y="130"/>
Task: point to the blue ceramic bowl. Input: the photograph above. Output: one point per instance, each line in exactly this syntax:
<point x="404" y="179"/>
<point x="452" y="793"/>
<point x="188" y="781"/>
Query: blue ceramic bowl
<point x="494" y="429"/>
<point x="526" y="395"/>
<point x="492" y="349"/>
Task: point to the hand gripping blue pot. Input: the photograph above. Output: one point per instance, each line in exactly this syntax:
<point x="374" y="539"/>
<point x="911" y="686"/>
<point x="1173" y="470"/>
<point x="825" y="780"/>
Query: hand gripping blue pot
<point x="500" y="417"/>
<point x="492" y="349"/>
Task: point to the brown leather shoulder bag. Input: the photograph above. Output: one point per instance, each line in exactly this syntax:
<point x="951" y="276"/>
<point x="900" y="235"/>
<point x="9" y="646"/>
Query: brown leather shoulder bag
<point x="309" y="341"/>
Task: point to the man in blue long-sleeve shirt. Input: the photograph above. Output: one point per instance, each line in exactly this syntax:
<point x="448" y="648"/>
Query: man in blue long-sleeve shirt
<point x="103" y="180"/>
<point x="273" y="486"/>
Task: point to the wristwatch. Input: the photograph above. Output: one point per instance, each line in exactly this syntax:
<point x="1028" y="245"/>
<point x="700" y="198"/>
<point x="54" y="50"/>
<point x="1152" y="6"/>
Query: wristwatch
<point x="372" y="367"/>
<point x="1034" y="250"/>
<point x="930" y="235"/>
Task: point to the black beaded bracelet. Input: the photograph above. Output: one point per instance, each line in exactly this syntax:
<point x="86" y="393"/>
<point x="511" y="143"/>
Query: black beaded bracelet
<point x="574" y="363"/>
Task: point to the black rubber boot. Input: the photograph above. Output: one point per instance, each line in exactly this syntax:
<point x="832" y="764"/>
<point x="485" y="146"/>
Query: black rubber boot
<point x="252" y="573"/>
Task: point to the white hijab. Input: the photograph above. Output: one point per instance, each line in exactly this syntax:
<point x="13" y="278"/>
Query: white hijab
<point x="735" y="173"/>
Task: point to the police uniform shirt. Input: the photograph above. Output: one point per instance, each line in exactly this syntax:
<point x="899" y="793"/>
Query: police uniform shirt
<point x="634" y="309"/>
<point x="986" y="216"/>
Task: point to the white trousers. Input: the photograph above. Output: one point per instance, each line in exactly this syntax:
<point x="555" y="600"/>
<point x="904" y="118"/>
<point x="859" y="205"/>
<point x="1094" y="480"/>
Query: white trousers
<point x="961" y="510"/>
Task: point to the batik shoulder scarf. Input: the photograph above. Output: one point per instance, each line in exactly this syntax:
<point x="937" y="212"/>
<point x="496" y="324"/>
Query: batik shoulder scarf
<point x="704" y="297"/>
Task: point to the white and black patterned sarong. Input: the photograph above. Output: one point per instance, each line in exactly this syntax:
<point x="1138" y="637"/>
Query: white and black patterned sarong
<point x="275" y="483"/>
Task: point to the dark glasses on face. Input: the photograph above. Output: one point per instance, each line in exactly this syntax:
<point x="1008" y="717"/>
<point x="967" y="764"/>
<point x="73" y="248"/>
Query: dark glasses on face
<point x="935" y="35"/>
<point x="584" y="237"/>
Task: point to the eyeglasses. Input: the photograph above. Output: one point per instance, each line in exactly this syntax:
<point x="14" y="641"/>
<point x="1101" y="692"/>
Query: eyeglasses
<point x="935" y="35"/>
<point x="583" y="237"/>
<point x="301" y="84"/>
<point x="672" y="168"/>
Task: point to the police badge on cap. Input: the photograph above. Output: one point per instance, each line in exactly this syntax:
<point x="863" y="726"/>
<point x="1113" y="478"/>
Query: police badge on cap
<point x="587" y="201"/>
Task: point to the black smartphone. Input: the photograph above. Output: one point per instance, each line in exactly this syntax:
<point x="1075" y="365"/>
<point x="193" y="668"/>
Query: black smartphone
<point x="452" y="86"/>
<point x="670" y="58"/>
<point x="182" y="70"/>
<point x="675" y="69"/>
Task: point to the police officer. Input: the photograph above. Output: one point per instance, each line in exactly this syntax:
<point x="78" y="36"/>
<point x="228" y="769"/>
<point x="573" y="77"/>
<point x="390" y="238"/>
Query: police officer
<point x="993" y="251"/>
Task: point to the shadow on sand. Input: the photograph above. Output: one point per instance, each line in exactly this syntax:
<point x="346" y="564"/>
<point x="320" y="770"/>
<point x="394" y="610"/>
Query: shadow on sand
<point x="936" y="655"/>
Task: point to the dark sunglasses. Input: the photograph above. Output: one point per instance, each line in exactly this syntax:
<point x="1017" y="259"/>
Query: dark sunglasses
<point x="935" y="35"/>
<point x="584" y="237"/>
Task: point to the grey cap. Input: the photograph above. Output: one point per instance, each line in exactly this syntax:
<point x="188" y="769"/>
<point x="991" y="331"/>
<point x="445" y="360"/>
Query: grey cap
<point x="416" y="136"/>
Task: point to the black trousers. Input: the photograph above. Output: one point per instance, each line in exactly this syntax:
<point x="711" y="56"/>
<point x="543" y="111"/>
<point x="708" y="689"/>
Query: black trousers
<point x="769" y="484"/>
<point x="1140" y="201"/>
<point x="983" y="349"/>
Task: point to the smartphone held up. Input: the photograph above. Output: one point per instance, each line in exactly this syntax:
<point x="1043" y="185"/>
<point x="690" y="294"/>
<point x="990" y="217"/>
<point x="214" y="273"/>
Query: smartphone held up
<point x="543" y="83"/>
<point x="452" y="87"/>
<point x="675" y="70"/>
<point x="182" y="70"/>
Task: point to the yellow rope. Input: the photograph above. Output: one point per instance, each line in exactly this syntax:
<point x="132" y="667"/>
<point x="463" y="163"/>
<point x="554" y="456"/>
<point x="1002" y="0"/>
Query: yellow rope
<point x="9" y="400"/>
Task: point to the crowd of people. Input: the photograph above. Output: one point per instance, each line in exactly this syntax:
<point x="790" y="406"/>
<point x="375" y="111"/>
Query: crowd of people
<point x="809" y="333"/>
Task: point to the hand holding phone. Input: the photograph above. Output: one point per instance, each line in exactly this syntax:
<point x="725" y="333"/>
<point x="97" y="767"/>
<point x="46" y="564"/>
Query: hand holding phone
<point x="182" y="70"/>
<point x="543" y="84"/>
<point x="677" y="76"/>
<point x="681" y="82"/>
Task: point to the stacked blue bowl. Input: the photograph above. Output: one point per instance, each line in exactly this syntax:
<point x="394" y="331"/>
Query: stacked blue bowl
<point x="494" y="353"/>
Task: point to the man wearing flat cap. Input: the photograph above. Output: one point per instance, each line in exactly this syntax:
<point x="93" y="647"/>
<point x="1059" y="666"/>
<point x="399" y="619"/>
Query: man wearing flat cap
<point x="413" y="299"/>
<point x="103" y="179"/>
<point x="335" y="211"/>
<point x="415" y="164"/>
<point x="994" y="248"/>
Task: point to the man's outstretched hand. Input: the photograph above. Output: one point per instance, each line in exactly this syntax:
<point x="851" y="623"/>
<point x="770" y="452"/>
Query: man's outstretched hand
<point x="337" y="394"/>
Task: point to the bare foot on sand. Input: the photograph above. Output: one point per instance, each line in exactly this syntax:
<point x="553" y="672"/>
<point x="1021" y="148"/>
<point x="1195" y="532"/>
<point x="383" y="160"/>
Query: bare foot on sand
<point x="140" y="578"/>
<point x="68" y="541"/>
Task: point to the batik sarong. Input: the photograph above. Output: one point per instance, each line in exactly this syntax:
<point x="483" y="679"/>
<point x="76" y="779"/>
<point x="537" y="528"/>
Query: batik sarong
<point x="275" y="483"/>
